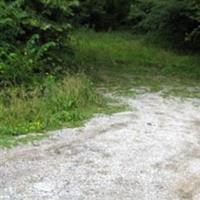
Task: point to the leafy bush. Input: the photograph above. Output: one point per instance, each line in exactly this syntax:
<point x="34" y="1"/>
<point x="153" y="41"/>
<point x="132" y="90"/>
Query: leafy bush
<point x="34" y="38"/>
<point x="177" y="20"/>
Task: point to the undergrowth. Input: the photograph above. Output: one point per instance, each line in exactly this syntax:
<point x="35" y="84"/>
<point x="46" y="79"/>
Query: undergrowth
<point x="121" y="60"/>
<point x="52" y="105"/>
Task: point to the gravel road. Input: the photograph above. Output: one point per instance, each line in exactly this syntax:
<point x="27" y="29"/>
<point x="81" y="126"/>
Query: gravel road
<point x="151" y="152"/>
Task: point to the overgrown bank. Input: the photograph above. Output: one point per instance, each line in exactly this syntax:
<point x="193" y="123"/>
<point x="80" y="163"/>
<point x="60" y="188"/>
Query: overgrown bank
<point x="115" y="60"/>
<point x="120" y="59"/>
<point x="43" y="64"/>
<point x="40" y="87"/>
<point x="52" y="105"/>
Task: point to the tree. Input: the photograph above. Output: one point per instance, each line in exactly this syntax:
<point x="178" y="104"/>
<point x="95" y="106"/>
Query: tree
<point x="34" y="38"/>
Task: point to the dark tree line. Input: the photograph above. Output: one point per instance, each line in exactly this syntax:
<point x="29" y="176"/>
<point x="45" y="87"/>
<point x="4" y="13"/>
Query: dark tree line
<point x="176" y="20"/>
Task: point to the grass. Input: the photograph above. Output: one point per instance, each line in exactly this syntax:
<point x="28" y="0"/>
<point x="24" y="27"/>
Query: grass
<point x="53" y="105"/>
<point x="121" y="60"/>
<point x="118" y="61"/>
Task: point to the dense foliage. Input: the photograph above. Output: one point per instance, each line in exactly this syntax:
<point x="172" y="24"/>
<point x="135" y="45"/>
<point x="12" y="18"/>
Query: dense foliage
<point x="34" y="38"/>
<point x="175" y="20"/>
<point x="102" y="15"/>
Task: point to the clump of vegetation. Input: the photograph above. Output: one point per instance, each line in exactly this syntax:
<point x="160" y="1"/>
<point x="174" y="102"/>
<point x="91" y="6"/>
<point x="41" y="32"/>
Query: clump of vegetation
<point x="174" y="20"/>
<point x="54" y="104"/>
<point x="34" y="39"/>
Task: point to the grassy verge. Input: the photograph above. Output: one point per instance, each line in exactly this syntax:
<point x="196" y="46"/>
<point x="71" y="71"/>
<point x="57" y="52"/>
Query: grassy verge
<point x="52" y="105"/>
<point x="123" y="61"/>
<point x="117" y="61"/>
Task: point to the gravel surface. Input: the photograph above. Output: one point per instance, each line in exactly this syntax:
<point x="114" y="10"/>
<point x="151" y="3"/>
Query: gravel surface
<point x="149" y="153"/>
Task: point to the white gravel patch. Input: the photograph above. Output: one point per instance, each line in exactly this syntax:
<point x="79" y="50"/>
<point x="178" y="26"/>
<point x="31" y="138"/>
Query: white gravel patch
<point x="149" y="153"/>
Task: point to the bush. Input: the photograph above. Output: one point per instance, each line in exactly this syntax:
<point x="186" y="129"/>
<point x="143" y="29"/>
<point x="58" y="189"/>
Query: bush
<point x="34" y="38"/>
<point x="177" y="20"/>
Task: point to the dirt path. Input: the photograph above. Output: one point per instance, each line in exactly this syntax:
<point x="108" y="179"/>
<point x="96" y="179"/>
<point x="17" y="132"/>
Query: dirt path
<point x="150" y="153"/>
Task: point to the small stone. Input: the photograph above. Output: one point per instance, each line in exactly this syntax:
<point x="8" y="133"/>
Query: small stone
<point x="149" y="124"/>
<point x="44" y="187"/>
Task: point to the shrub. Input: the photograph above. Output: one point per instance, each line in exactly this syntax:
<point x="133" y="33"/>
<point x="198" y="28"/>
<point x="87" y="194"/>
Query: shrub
<point x="34" y="38"/>
<point x="177" y="20"/>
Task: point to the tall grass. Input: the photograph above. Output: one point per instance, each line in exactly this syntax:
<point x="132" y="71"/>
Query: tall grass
<point x="116" y="58"/>
<point x="54" y="104"/>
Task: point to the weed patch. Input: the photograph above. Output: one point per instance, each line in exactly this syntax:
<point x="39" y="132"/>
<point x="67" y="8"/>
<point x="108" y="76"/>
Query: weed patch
<point x="52" y="105"/>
